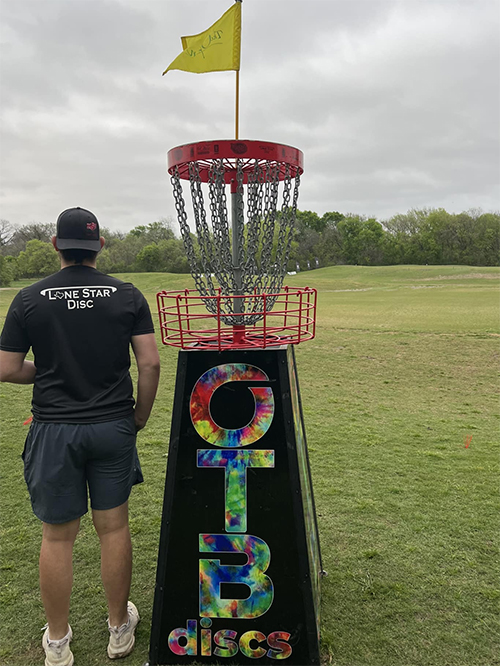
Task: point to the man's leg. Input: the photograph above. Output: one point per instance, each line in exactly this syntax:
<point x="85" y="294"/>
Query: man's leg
<point x="56" y="574"/>
<point x="116" y="559"/>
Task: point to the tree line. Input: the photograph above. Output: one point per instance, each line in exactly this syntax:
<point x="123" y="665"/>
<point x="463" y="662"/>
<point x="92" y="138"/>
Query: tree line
<point x="424" y="236"/>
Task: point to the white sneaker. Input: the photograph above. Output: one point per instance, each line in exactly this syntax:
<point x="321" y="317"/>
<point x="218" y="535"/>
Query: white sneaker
<point x="57" y="653"/>
<point x="122" y="639"/>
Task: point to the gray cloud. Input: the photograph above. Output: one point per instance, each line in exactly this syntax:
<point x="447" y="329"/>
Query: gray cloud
<point x="394" y="103"/>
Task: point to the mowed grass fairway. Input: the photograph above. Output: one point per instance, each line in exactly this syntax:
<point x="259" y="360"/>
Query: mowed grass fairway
<point x="402" y="371"/>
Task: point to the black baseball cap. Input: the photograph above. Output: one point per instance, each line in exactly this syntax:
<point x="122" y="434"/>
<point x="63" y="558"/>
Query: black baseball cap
<point x="78" y="229"/>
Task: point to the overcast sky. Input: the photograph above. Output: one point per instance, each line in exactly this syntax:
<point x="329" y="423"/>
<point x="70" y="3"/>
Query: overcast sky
<point x="395" y="103"/>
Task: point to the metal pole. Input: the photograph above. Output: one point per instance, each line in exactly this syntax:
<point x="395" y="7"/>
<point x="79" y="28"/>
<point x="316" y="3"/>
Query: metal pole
<point x="236" y="245"/>
<point x="239" y="326"/>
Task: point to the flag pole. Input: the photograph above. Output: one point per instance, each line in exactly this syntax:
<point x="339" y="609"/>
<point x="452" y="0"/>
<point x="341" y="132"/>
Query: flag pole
<point x="237" y="124"/>
<point x="237" y="110"/>
<point x="237" y="240"/>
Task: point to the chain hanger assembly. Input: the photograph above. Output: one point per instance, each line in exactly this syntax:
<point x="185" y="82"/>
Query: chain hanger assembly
<point x="238" y="260"/>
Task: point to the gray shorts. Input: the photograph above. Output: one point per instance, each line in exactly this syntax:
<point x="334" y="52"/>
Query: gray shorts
<point x="62" y="459"/>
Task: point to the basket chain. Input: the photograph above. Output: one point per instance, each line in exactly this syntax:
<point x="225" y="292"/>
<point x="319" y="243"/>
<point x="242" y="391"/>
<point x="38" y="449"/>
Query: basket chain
<point x="197" y="271"/>
<point x="220" y="224"/>
<point x="262" y="256"/>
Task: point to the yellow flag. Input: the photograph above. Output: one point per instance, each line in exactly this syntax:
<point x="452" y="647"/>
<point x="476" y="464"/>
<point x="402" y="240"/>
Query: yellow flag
<point x="215" y="50"/>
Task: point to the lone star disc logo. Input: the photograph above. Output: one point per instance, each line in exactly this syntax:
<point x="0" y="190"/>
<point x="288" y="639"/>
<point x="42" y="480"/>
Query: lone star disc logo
<point x="78" y="297"/>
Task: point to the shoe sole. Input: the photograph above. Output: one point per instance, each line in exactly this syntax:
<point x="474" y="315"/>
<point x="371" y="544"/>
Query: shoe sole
<point x="71" y="663"/>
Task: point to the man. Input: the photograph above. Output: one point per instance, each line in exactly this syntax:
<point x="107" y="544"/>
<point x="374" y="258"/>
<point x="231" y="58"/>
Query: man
<point x="80" y="324"/>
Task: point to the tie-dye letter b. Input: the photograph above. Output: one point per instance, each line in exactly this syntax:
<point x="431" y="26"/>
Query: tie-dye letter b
<point x="251" y="574"/>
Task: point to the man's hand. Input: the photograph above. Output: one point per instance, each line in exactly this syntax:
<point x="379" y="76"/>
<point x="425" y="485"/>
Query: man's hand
<point x="148" y="365"/>
<point x="14" y="369"/>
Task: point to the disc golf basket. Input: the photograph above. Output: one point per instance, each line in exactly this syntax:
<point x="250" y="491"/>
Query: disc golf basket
<point x="239" y="257"/>
<point x="236" y="332"/>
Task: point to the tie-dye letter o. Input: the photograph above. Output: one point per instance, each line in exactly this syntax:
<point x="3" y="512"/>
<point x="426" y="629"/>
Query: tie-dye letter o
<point x="203" y="391"/>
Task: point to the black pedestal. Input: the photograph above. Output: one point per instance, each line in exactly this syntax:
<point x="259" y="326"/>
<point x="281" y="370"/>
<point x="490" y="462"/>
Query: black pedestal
<point x="239" y="562"/>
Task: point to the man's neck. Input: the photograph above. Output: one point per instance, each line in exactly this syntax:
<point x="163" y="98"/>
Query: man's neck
<point x="68" y="264"/>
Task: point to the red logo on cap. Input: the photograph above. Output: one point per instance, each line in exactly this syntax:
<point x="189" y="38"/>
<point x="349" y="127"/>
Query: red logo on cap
<point x="91" y="226"/>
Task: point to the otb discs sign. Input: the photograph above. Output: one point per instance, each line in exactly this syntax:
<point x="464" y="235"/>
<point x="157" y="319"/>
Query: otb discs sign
<point x="239" y="563"/>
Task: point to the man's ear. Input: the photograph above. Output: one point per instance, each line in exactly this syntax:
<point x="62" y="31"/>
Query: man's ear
<point x="54" y="243"/>
<point x="102" y="242"/>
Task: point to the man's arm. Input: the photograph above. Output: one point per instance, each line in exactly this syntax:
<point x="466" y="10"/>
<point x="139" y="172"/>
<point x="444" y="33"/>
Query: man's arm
<point x="14" y="368"/>
<point x="148" y="365"/>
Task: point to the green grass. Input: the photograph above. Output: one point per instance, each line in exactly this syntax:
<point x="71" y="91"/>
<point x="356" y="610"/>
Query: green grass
<point x="402" y="370"/>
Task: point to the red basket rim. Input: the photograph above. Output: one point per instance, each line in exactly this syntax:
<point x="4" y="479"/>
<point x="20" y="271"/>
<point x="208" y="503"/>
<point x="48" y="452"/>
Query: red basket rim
<point x="245" y="151"/>
<point x="290" y="320"/>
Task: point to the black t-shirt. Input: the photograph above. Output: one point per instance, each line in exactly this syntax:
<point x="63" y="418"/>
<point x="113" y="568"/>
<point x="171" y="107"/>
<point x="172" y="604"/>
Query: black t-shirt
<point x="79" y="323"/>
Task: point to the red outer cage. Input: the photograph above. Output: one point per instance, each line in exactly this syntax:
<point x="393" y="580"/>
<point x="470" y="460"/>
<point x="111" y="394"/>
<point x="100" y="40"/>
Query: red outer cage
<point x="245" y="152"/>
<point x="185" y="322"/>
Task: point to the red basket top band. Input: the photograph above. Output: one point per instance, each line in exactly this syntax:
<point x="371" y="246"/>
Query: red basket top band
<point x="246" y="152"/>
